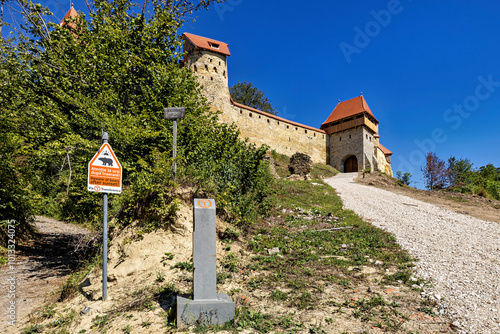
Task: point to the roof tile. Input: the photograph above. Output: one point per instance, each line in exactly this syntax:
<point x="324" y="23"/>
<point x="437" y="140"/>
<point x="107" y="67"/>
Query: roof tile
<point x="384" y="149"/>
<point x="348" y="108"/>
<point x="71" y="14"/>
<point x="207" y="43"/>
<point x="239" y="105"/>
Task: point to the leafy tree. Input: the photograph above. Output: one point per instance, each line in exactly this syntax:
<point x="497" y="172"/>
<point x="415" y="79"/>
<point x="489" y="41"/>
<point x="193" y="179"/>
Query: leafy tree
<point x="115" y="71"/>
<point x="403" y="178"/>
<point x="459" y="171"/>
<point x="435" y="172"/>
<point x="246" y="93"/>
<point x="489" y="172"/>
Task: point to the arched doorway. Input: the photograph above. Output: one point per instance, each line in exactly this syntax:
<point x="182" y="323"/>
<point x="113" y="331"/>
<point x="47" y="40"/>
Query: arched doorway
<point x="351" y="164"/>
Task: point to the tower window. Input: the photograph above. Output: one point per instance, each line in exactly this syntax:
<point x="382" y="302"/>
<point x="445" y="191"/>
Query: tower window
<point x="241" y="111"/>
<point x="349" y="136"/>
<point x="268" y="120"/>
<point x="259" y="116"/>
<point x="340" y="138"/>
<point x="224" y="74"/>
<point x="278" y="123"/>
<point x="215" y="69"/>
<point x="195" y="68"/>
<point x="250" y="114"/>
<point x="314" y="134"/>
<point x="305" y="131"/>
<point x="211" y="78"/>
<point x="296" y="128"/>
<point x="206" y="67"/>
<point x="219" y="63"/>
<point x="210" y="59"/>
<point x="287" y="127"/>
<point x="213" y="45"/>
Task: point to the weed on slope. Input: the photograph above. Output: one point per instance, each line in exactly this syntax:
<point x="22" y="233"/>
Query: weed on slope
<point x="327" y="266"/>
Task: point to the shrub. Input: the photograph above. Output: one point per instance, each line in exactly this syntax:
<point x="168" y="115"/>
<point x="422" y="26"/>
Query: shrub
<point x="403" y="178"/>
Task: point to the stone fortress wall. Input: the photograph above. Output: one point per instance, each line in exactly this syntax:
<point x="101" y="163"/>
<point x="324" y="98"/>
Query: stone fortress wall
<point x="282" y="135"/>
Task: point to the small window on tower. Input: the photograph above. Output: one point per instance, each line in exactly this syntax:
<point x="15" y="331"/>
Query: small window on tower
<point x="214" y="45"/>
<point x="206" y="67"/>
<point x="340" y="138"/>
<point x="195" y="68"/>
<point x="215" y="69"/>
<point x="224" y="74"/>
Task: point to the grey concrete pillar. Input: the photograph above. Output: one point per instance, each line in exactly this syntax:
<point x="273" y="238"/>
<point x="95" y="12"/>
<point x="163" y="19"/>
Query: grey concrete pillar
<point x="207" y="306"/>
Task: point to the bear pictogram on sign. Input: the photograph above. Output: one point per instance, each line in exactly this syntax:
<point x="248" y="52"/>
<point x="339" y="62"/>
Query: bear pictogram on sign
<point x="105" y="172"/>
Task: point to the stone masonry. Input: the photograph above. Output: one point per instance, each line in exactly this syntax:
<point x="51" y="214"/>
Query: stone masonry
<point x="332" y="144"/>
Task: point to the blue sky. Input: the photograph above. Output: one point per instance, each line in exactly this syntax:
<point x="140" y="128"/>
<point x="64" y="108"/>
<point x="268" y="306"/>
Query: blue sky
<point x="429" y="70"/>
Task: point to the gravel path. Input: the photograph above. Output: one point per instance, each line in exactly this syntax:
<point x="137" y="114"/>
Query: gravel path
<point x="459" y="253"/>
<point x="40" y="270"/>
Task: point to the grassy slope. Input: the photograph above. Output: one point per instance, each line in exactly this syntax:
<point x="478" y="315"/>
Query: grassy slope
<point x="289" y="272"/>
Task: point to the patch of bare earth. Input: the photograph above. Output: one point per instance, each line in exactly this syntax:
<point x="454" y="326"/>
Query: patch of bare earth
<point x="141" y="272"/>
<point x="40" y="268"/>
<point x="468" y="204"/>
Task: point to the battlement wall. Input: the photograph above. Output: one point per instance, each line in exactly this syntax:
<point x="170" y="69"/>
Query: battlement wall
<point x="282" y="135"/>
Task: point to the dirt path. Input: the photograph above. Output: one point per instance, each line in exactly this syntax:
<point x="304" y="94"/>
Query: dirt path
<point x="458" y="252"/>
<point x="40" y="268"/>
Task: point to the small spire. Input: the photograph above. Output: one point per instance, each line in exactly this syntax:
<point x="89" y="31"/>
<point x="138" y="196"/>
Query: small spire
<point x="339" y="100"/>
<point x="361" y="93"/>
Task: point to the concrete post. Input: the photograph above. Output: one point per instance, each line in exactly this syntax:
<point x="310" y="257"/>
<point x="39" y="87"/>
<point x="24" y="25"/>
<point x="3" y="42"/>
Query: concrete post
<point x="207" y="306"/>
<point x="204" y="250"/>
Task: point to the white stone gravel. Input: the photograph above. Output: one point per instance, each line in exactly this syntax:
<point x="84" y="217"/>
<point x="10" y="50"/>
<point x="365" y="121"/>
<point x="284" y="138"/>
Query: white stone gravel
<point x="461" y="254"/>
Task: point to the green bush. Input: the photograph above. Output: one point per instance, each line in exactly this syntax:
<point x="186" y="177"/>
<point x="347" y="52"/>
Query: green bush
<point x="493" y="189"/>
<point x="117" y="76"/>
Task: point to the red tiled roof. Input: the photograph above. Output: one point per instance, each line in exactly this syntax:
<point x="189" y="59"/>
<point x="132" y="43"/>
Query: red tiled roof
<point x="207" y="43"/>
<point x="69" y="15"/>
<point x="275" y="117"/>
<point x="349" y="108"/>
<point x="384" y="149"/>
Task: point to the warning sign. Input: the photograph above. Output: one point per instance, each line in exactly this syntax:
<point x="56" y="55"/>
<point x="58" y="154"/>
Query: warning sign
<point x="105" y="172"/>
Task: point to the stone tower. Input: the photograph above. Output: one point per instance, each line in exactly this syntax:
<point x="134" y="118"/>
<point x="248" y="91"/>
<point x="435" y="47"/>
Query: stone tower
<point x="206" y="57"/>
<point x="354" y="140"/>
<point x="348" y="140"/>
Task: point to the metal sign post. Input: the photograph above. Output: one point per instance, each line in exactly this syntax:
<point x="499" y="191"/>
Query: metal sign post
<point x="174" y="114"/>
<point x="105" y="175"/>
<point x="105" y="237"/>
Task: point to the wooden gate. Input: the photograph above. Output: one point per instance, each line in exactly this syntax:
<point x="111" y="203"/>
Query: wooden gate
<point x="351" y="165"/>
